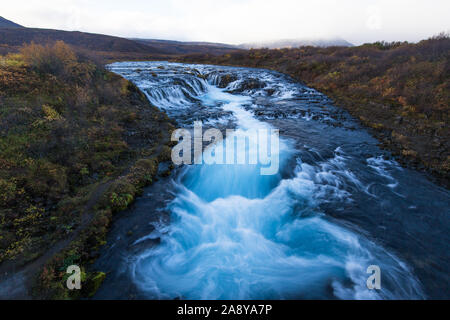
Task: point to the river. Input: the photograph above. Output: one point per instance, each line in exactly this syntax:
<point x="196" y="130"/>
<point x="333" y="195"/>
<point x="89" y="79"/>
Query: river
<point x="337" y="205"/>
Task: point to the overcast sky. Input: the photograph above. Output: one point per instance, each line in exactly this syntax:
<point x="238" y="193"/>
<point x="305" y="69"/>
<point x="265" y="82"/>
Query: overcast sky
<point x="238" y="21"/>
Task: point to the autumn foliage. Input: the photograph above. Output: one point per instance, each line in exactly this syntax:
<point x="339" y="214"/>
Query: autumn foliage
<point x="55" y="58"/>
<point x="64" y="129"/>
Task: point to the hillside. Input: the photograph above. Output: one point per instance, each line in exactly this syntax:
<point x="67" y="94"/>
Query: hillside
<point x="108" y="46"/>
<point x="5" y="23"/>
<point x="181" y="48"/>
<point x="78" y="143"/>
<point x="400" y="90"/>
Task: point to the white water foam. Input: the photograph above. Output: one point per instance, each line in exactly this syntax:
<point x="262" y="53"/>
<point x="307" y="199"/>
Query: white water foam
<point x="235" y="234"/>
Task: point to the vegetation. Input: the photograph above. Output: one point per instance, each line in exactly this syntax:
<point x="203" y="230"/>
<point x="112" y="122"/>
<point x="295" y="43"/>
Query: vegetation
<point x="400" y="90"/>
<point x="77" y="144"/>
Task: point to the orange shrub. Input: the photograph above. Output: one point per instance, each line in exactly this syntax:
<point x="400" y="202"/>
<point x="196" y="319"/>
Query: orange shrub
<point x="55" y="59"/>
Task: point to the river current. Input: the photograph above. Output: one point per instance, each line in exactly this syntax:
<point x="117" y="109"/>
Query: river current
<point x="337" y="205"/>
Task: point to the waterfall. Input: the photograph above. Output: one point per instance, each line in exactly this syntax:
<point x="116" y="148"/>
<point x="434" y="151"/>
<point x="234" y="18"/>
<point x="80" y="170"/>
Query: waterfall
<point x="237" y="234"/>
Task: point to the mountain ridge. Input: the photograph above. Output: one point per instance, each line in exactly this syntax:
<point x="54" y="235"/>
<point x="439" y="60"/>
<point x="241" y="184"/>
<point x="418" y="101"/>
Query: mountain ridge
<point x="5" y="23"/>
<point x="13" y="36"/>
<point x="107" y="47"/>
<point x="188" y="47"/>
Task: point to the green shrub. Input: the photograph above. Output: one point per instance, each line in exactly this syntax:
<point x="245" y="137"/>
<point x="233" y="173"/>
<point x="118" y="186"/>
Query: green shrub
<point x="8" y="192"/>
<point x="121" y="195"/>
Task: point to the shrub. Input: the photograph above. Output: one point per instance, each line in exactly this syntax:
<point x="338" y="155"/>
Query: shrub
<point x="8" y="191"/>
<point x="121" y="194"/>
<point x="47" y="179"/>
<point x="141" y="174"/>
<point x="55" y="59"/>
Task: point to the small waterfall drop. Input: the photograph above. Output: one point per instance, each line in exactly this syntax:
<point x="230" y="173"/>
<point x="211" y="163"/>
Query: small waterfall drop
<point x="237" y="234"/>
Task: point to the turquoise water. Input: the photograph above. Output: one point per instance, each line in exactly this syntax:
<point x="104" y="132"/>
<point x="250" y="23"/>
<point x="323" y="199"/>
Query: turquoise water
<point x="236" y="234"/>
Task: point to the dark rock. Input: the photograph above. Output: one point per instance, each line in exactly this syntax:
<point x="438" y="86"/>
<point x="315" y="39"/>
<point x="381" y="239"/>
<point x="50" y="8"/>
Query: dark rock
<point x="270" y="92"/>
<point x="226" y="80"/>
<point x="250" y="84"/>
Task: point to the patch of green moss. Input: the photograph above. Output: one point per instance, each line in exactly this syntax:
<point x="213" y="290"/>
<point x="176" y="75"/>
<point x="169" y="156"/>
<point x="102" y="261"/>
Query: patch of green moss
<point x="93" y="283"/>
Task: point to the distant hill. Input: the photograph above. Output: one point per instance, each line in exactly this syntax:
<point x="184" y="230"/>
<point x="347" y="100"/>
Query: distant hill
<point x="16" y="37"/>
<point x="296" y="43"/>
<point x="109" y="47"/>
<point x="13" y="36"/>
<point x="181" y="47"/>
<point x="5" y="23"/>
